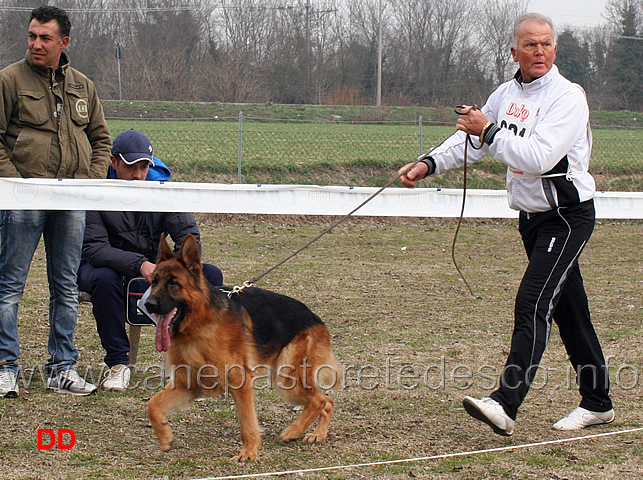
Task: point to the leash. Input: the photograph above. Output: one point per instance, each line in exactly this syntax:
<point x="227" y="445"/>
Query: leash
<point x="250" y="283"/>
<point x="460" y="110"/>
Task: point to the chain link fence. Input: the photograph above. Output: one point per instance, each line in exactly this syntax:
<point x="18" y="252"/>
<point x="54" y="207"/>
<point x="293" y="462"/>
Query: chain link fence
<point x="254" y="150"/>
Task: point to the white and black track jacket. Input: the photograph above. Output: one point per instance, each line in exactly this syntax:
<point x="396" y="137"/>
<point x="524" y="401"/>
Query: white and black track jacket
<point x="544" y="138"/>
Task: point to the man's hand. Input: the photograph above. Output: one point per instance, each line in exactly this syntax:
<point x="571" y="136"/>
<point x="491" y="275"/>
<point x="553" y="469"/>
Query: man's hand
<point x="410" y="178"/>
<point x="147" y="270"/>
<point x="471" y="120"/>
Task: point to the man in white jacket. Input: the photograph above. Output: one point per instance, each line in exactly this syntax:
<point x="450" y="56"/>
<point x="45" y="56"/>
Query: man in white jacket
<point x="538" y="125"/>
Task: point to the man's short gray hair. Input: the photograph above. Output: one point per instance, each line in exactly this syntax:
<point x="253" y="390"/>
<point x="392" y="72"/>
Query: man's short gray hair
<point x="532" y="17"/>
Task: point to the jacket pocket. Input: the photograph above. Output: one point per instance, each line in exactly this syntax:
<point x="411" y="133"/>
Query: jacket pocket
<point x="31" y="153"/>
<point x="32" y="107"/>
<point x="81" y="149"/>
<point x="79" y="106"/>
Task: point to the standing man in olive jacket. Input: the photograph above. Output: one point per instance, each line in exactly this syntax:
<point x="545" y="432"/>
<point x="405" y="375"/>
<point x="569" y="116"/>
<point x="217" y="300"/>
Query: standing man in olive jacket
<point x="51" y="126"/>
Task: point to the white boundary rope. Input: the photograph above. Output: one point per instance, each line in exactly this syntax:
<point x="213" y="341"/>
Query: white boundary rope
<point x="147" y="196"/>
<point x="433" y="457"/>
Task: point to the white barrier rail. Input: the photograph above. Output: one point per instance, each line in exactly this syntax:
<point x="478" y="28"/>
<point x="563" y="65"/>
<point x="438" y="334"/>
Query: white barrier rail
<point x="68" y="194"/>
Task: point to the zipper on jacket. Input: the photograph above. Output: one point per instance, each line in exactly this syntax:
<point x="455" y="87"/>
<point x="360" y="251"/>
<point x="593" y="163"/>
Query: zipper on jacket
<point x="58" y="99"/>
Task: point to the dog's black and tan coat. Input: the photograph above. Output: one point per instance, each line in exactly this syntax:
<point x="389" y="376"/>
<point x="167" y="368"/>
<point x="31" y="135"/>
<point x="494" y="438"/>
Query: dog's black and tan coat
<point x="218" y="344"/>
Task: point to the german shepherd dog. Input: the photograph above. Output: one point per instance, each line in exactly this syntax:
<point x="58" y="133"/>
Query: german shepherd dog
<point x="219" y="343"/>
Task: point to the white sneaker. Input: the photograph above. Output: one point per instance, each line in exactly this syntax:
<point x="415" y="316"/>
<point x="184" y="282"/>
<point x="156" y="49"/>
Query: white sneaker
<point x="117" y="378"/>
<point x="68" y="381"/>
<point x="581" y="418"/>
<point x="8" y="384"/>
<point x="489" y="411"/>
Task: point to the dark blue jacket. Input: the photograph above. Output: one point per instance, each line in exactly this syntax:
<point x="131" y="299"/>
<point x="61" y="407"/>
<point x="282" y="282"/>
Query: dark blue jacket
<point x="124" y="240"/>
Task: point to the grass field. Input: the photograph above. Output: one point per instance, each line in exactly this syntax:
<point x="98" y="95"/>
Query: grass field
<point x="128" y="109"/>
<point x="412" y="341"/>
<point x="348" y="154"/>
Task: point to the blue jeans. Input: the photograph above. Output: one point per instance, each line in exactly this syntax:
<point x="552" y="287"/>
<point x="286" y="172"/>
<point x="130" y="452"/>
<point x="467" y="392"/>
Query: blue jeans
<point x="20" y="232"/>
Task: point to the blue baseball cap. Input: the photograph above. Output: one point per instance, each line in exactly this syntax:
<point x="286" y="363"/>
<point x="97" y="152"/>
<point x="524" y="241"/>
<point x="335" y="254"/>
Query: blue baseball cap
<point x="133" y="146"/>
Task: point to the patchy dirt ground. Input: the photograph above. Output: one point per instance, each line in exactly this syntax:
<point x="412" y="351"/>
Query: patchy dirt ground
<point x="411" y="339"/>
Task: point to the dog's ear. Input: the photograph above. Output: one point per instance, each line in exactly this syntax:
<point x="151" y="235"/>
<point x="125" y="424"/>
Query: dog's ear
<point x="190" y="255"/>
<point x="165" y="252"/>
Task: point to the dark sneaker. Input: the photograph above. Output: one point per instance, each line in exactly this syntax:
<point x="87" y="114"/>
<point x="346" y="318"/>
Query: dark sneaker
<point x="68" y="381"/>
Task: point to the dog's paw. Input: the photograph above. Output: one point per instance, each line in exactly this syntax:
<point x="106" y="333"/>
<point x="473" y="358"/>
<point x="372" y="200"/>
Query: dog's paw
<point x="288" y="435"/>
<point x="244" y="457"/>
<point x="167" y="445"/>
<point x="314" y="437"/>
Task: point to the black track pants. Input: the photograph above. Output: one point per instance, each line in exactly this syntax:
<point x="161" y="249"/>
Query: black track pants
<point x="552" y="288"/>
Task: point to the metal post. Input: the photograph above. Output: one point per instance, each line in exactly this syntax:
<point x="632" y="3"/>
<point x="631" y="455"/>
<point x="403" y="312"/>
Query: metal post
<point x="420" y="134"/>
<point x="240" y="148"/>
<point x="119" y="55"/>
<point x="420" y="143"/>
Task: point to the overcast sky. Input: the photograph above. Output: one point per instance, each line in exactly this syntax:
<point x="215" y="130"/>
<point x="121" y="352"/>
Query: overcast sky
<point x="577" y="13"/>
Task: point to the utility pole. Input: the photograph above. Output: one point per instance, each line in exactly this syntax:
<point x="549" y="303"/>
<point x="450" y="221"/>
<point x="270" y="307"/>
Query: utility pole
<point x="378" y="100"/>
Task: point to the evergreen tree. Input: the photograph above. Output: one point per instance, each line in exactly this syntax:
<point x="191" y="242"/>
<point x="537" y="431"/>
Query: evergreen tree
<point x="572" y="59"/>
<point x="626" y="57"/>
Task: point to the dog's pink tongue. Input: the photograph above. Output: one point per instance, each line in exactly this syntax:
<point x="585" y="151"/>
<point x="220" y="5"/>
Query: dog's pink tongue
<point x="162" y="331"/>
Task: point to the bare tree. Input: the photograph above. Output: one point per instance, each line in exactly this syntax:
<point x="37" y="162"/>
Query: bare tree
<point x="14" y="20"/>
<point x="598" y="40"/>
<point x="622" y="12"/>
<point x="432" y="34"/>
<point x="323" y="44"/>
<point x="497" y="26"/>
<point x="4" y="56"/>
<point x="411" y="41"/>
<point x="435" y="52"/>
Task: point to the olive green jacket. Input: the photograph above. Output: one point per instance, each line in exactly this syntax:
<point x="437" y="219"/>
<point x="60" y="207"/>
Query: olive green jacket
<point x="36" y="140"/>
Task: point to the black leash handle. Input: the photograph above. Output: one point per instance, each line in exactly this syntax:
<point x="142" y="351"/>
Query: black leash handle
<point x="463" y="110"/>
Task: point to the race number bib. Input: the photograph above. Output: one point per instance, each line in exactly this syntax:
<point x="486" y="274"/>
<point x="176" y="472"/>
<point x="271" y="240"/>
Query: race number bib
<point x="518" y="115"/>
